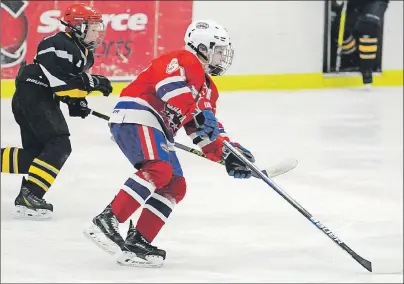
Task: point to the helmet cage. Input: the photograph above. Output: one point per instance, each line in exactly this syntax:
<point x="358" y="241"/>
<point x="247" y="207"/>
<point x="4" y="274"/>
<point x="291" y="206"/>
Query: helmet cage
<point x="91" y="33"/>
<point x="218" y="58"/>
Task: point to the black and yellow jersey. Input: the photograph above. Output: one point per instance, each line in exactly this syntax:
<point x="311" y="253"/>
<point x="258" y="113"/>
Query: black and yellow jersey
<point x="59" y="64"/>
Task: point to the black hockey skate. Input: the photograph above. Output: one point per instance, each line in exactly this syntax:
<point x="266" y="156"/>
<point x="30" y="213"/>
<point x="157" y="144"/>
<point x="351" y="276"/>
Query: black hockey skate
<point x="29" y="206"/>
<point x="138" y="252"/>
<point x="104" y="231"/>
<point x="367" y="77"/>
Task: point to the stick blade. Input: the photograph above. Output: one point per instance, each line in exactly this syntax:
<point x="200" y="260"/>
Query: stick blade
<point x="364" y="262"/>
<point x="367" y="264"/>
<point x="281" y="168"/>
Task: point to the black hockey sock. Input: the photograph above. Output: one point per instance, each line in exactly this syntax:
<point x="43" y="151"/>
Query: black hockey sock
<point x="9" y="160"/>
<point x="367" y="52"/>
<point x="41" y="176"/>
<point x="45" y="168"/>
<point x="349" y="45"/>
<point x="17" y="160"/>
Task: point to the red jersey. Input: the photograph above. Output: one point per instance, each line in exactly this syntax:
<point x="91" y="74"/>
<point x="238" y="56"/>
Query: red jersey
<point x="167" y="94"/>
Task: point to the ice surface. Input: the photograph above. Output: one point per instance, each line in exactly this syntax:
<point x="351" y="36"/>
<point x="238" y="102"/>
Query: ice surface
<point x="349" y="144"/>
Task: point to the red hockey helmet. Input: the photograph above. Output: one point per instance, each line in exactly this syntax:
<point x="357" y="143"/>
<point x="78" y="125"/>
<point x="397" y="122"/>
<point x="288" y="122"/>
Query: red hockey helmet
<point x="85" y="23"/>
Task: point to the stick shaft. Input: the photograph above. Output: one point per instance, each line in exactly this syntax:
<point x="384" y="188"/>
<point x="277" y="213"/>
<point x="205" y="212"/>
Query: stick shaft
<point x="341" y="35"/>
<point x="365" y="263"/>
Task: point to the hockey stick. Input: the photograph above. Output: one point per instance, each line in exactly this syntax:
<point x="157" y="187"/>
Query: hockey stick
<point x="341" y="35"/>
<point x="365" y="263"/>
<point x="273" y="171"/>
<point x="98" y="114"/>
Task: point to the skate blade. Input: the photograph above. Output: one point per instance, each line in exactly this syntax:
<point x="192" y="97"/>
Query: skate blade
<point x="22" y="212"/>
<point x="130" y="259"/>
<point x="94" y="234"/>
<point x="367" y="87"/>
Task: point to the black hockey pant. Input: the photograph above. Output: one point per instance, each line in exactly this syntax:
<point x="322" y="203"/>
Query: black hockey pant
<point x="45" y="138"/>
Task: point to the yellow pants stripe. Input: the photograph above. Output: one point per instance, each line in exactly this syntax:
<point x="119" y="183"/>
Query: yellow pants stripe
<point x="15" y="160"/>
<point x="46" y="165"/>
<point x="41" y="173"/>
<point x="37" y="182"/>
<point x="5" y="163"/>
<point x="368" y="48"/>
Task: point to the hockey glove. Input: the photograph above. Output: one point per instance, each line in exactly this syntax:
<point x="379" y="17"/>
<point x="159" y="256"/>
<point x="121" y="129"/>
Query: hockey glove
<point x="97" y="83"/>
<point x="78" y="107"/>
<point x="207" y="124"/>
<point x="234" y="166"/>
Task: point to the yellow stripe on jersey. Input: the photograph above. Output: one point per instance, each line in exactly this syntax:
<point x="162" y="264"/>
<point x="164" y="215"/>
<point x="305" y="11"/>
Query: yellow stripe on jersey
<point x="75" y="93"/>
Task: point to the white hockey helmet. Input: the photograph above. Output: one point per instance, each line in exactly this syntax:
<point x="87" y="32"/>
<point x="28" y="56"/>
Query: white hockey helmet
<point x="211" y="43"/>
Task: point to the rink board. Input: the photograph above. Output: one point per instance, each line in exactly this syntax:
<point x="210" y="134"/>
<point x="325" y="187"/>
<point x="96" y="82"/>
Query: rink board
<point x="272" y="82"/>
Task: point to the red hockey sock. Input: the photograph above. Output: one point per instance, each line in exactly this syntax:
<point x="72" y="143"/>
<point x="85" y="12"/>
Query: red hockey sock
<point x="149" y="225"/>
<point x="124" y="205"/>
<point x="159" y="206"/>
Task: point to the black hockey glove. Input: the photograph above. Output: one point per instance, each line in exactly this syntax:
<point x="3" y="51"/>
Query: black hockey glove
<point x="234" y="166"/>
<point x="97" y="83"/>
<point x="78" y="107"/>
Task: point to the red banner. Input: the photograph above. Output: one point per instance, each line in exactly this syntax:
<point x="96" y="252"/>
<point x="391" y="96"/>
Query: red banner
<point x="136" y="32"/>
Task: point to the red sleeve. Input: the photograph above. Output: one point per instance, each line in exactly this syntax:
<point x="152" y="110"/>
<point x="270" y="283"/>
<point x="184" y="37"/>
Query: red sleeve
<point x="212" y="149"/>
<point x="179" y="82"/>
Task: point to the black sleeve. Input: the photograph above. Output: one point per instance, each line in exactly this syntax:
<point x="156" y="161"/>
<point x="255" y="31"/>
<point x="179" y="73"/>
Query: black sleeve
<point x="90" y="60"/>
<point x="57" y="63"/>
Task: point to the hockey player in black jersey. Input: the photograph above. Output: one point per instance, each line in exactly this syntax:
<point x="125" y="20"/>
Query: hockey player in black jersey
<point x="59" y="73"/>
<point x="363" y="26"/>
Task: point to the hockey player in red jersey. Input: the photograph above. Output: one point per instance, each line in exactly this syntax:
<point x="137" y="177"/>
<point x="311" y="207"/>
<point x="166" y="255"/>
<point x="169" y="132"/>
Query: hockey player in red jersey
<point x="174" y="91"/>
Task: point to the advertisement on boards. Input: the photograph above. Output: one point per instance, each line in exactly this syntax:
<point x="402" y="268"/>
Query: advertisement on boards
<point x="136" y="32"/>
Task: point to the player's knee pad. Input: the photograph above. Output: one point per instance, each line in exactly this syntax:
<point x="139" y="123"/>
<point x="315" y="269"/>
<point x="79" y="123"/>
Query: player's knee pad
<point x="370" y="22"/>
<point x="175" y="190"/>
<point x="57" y="150"/>
<point x="367" y="25"/>
<point x="157" y="172"/>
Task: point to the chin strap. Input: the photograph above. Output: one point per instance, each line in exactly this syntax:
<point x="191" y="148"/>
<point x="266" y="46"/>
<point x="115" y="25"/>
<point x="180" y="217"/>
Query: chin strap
<point x="74" y="29"/>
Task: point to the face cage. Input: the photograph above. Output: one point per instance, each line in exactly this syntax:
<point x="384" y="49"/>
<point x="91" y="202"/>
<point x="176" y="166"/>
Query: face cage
<point x="225" y="62"/>
<point x="87" y="29"/>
